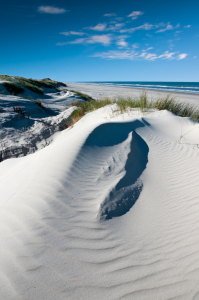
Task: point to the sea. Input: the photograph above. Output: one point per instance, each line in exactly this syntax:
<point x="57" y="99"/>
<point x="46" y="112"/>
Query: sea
<point x="183" y="87"/>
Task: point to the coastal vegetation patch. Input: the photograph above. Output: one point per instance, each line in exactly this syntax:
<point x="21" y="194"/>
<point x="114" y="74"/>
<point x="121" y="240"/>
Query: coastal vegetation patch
<point x="142" y="103"/>
<point x="13" y="88"/>
<point x="33" y="85"/>
<point x="81" y="95"/>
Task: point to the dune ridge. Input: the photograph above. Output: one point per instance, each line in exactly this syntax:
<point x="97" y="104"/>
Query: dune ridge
<point x="53" y="244"/>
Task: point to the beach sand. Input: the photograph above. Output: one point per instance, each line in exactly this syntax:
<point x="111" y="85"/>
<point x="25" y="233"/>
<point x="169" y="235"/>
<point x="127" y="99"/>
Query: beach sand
<point x="102" y="91"/>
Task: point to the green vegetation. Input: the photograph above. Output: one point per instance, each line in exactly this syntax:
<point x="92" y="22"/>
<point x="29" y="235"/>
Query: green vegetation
<point x="83" y="96"/>
<point x="6" y="78"/>
<point x="123" y="104"/>
<point x="39" y="103"/>
<point x="33" y="85"/>
<point x="13" y="88"/>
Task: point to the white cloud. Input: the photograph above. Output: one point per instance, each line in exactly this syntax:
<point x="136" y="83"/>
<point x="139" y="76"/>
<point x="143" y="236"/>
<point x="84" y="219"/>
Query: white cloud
<point x="168" y="27"/>
<point x="104" y="39"/>
<point x="77" y="41"/>
<point x="122" y="43"/>
<point x="110" y="15"/>
<point x="135" y="55"/>
<point x="99" y="27"/>
<point x="145" y="26"/>
<point x="51" y="10"/>
<point x="103" y="27"/>
<point x="187" y="26"/>
<point x="182" y="56"/>
<point x="119" y="18"/>
<point x="116" y="27"/>
<point x="116" y="54"/>
<point x="167" y="55"/>
<point x="72" y="33"/>
<point x="62" y="44"/>
<point x="151" y="56"/>
<point x="135" y="46"/>
<point x="150" y="48"/>
<point x="135" y="14"/>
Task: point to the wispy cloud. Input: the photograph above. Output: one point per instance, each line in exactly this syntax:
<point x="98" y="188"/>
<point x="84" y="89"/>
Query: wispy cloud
<point x="136" y="55"/>
<point x="51" y="10"/>
<point x="119" y="18"/>
<point x="145" y="26"/>
<point x="168" y="27"/>
<point x="104" y="27"/>
<point x="182" y="56"/>
<point x="72" y="33"/>
<point x="110" y="15"/>
<point x="122" y="43"/>
<point x="187" y="26"/>
<point x="99" y="27"/>
<point x="116" y="27"/>
<point x="135" y="14"/>
<point x="104" y="39"/>
<point x="167" y="55"/>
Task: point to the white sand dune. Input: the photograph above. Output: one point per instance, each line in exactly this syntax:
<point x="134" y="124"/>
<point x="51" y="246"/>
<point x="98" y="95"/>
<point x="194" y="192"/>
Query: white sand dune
<point x="109" y="210"/>
<point x="20" y="135"/>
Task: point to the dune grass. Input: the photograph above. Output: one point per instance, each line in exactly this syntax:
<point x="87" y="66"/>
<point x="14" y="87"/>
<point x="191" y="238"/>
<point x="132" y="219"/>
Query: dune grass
<point x="33" y="85"/>
<point x="6" y="78"/>
<point x="13" y="88"/>
<point x="27" y="84"/>
<point x="167" y="103"/>
<point x="83" y="96"/>
<point x="39" y="103"/>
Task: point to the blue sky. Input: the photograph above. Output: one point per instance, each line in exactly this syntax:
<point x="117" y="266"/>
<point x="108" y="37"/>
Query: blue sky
<point x="108" y="40"/>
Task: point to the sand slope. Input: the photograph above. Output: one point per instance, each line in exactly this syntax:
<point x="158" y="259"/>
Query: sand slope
<point x="109" y="210"/>
<point x="23" y="134"/>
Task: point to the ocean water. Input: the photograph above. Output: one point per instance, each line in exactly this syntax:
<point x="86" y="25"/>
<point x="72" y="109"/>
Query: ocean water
<point x="185" y="87"/>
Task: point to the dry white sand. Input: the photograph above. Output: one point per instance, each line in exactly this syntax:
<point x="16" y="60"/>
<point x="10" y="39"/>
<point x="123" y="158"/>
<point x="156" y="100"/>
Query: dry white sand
<point x="102" y="91"/>
<point x="25" y="134"/>
<point x="61" y="237"/>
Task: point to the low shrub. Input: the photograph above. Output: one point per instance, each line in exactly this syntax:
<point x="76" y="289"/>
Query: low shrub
<point x="6" y="78"/>
<point x="13" y="88"/>
<point x="34" y="85"/>
<point x="31" y="87"/>
<point x="83" y="96"/>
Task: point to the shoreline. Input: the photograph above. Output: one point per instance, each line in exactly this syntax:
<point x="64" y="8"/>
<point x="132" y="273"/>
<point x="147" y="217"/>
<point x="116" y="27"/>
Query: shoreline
<point x="103" y="91"/>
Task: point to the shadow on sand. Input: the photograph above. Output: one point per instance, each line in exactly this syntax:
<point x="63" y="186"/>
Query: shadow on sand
<point x="127" y="191"/>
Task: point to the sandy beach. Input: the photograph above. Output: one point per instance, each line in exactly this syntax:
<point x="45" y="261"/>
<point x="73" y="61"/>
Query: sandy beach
<point x="102" y="91"/>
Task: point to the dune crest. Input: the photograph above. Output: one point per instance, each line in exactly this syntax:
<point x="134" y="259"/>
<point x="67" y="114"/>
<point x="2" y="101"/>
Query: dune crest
<point x="124" y="195"/>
